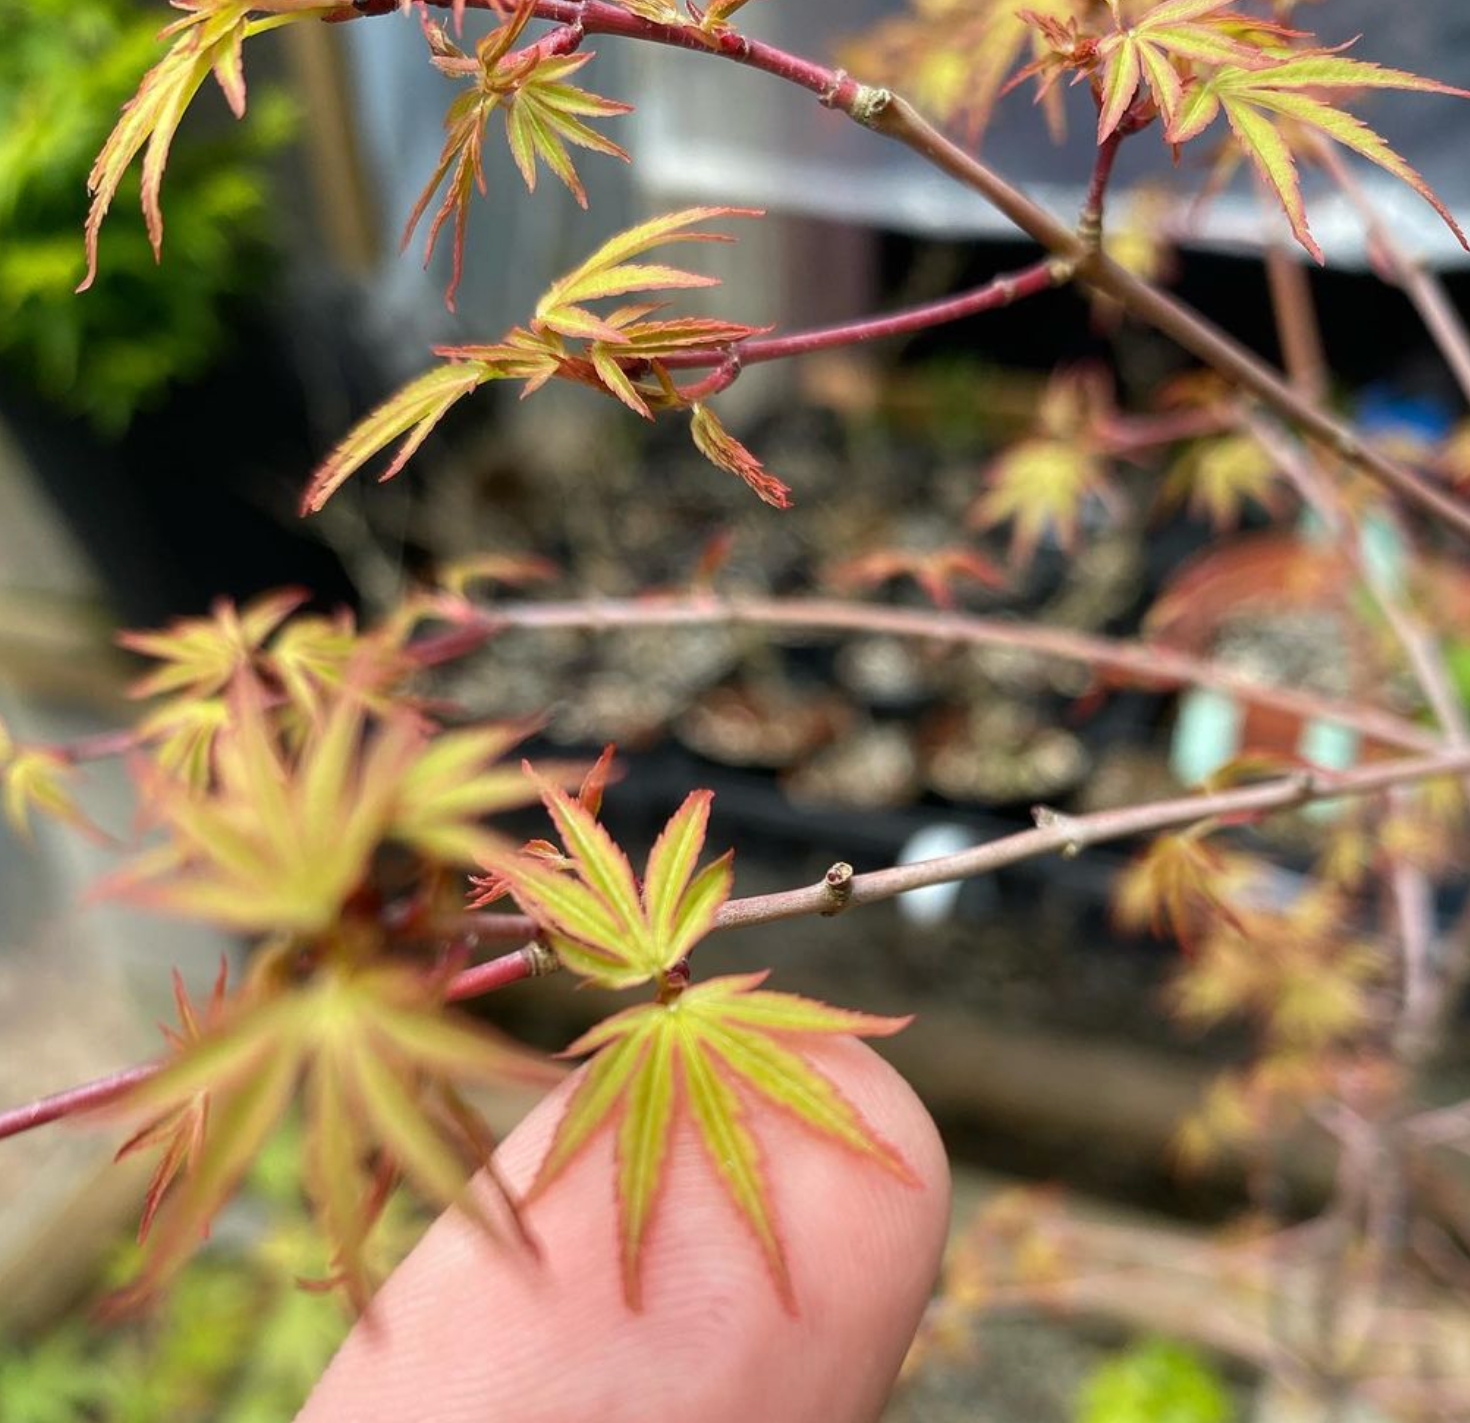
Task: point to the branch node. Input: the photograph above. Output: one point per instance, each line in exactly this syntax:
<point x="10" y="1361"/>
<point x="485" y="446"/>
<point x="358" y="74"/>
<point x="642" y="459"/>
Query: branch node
<point x="1061" y="269"/>
<point x="869" y="104"/>
<point x="1074" y="836"/>
<point x="540" y="960"/>
<point x="838" y="884"/>
<point x="831" y="96"/>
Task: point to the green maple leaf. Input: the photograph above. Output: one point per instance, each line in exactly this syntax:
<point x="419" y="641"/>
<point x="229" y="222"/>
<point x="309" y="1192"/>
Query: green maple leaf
<point x="707" y="1056"/>
<point x="1256" y="101"/>
<point x="1149" y="49"/>
<point x="375" y="1058"/>
<point x="701" y="1054"/>
<point x="543" y="113"/>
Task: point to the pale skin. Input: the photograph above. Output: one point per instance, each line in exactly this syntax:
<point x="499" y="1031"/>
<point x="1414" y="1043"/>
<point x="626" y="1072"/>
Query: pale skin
<point x="465" y="1332"/>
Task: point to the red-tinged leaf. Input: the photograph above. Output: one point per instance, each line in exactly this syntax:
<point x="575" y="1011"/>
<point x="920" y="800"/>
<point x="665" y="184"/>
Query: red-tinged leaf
<point x="610" y="271"/>
<point x="671" y="863"/>
<point x="697" y="1037"/>
<point x="615" y="378"/>
<point x="410" y="416"/>
<point x="1273" y="160"/>
<point x="590" y="1106"/>
<point x="643" y="1144"/>
<point x="602" y="866"/>
<point x="733" y="1154"/>
<point x="708" y="890"/>
<point x="785" y="1080"/>
<point x="725" y="452"/>
<point x="1119" y="87"/>
<point x="743" y="1002"/>
<point x="596" y="945"/>
<point x="594" y="784"/>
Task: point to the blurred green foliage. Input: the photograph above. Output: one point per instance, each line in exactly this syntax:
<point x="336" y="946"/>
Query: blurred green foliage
<point x="237" y="1339"/>
<point x="1155" y="1381"/>
<point x="66" y="68"/>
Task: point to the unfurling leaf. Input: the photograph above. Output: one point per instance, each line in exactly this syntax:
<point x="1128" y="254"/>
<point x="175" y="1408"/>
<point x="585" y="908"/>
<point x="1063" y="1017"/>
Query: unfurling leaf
<point x="724" y="451"/>
<point x="1216" y="479"/>
<point x="543" y="113"/>
<point x="210" y="39"/>
<point x="285" y="833"/>
<point x="410" y="415"/>
<point x="1257" y="102"/>
<point x="33" y="782"/>
<point x="716" y="1057"/>
<point x="374" y="1057"/>
<point x="934" y="570"/>
<point x="600" y="923"/>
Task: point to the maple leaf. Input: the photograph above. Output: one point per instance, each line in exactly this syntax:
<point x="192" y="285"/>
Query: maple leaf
<point x="33" y="782"/>
<point x="375" y="1058"/>
<point x="610" y="271"/>
<point x="1179" y="883"/>
<point x="597" y="920"/>
<point x="954" y="56"/>
<point x="410" y="415"/>
<point x="724" y="451"/>
<point x="1040" y="484"/>
<point x="1217" y="478"/>
<point x="202" y="656"/>
<point x="934" y="570"/>
<point x="535" y="355"/>
<point x="210" y="39"/>
<point x="543" y="113"/>
<point x="179" y="1130"/>
<point x="283" y="836"/>
<point x="1256" y="101"/>
<point x="1149" y="49"/>
<point x="488" y="888"/>
<point x="706" y="1056"/>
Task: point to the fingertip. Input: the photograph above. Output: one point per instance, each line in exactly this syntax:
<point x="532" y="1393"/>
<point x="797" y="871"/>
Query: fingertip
<point x="466" y="1330"/>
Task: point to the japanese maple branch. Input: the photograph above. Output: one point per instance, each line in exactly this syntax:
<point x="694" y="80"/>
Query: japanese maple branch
<point x="1150" y="665"/>
<point x="1054" y="834"/>
<point x="888" y="113"/>
<point x="998" y="292"/>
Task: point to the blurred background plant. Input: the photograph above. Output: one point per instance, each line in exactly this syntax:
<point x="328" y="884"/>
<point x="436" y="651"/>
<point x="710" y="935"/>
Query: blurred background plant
<point x="65" y="70"/>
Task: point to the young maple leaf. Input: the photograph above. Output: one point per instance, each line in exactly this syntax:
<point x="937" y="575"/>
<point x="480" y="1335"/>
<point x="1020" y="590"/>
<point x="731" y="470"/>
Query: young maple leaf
<point x="284" y="835"/>
<point x="708" y="1056"/>
<point x="701" y="1054"/>
<point x="210" y="39"/>
<point x="724" y="451"/>
<point x="33" y="782"/>
<point x="1218" y="478"/>
<point x="1256" y="101"/>
<point x="1149" y="49"/>
<point x="202" y="656"/>
<point x="1041" y="484"/>
<point x="954" y="56"/>
<point x="180" y="1129"/>
<point x="1178" y="883"/>
<point x="375" y="1058"/>
<point x="615" y="343"/>
<point x="934" y="570"/>
<point x="542" y="112"/>
<point x="610" y="271"/>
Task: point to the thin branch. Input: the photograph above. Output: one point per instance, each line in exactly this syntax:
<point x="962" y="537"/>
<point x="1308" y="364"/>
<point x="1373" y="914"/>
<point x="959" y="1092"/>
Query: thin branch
<point x="1054" y="834"/>
<point x="1415" y="279"/>
<point x="998" y="292"/>
<point x="893" y="116"/>
<point x="1147" y="664"/>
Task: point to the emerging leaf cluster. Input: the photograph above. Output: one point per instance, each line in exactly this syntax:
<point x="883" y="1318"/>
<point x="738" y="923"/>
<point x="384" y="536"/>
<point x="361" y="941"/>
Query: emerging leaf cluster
<point x="543" y="113"/>
<point x="704" y="1054"/>
<point x="1184" y="61"/>
<point x="618" y="353"/>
